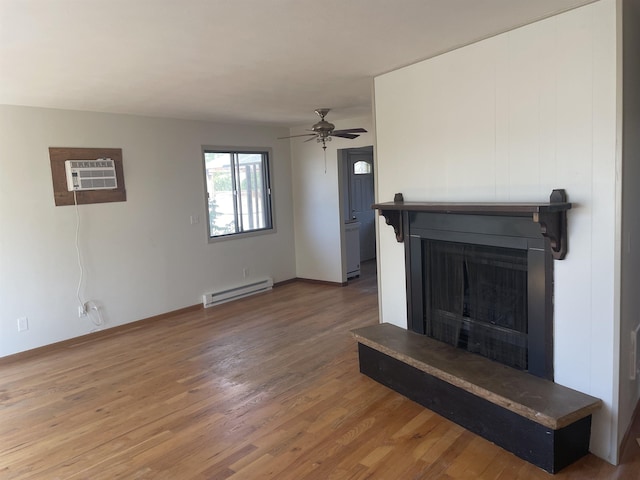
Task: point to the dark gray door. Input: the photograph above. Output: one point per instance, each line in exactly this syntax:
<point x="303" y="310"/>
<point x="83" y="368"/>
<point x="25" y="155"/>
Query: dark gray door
<point x="360" y="162"/>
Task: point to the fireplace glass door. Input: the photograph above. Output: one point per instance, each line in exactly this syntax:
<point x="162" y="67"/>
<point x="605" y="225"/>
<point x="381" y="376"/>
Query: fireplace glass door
<point x="475" y="298"/>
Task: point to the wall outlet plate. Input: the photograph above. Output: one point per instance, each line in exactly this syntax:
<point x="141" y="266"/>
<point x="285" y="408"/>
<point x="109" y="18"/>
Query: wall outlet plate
<point x="23" y="324"/>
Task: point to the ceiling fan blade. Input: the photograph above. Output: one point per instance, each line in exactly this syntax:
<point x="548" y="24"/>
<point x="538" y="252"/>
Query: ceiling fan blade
<point x="302" y="135"/>
<point x="350" y="130"/>
<point x="345" y="135"/>
<point x="309" y="139"/>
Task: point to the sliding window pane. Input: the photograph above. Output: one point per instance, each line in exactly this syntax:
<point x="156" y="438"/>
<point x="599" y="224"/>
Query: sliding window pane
<point x="252" y="192"/>
<point x="220" y="180"/>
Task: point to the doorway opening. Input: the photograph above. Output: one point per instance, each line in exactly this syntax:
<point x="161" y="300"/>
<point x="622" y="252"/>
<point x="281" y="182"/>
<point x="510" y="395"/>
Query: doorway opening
<point x="356" y="184"/>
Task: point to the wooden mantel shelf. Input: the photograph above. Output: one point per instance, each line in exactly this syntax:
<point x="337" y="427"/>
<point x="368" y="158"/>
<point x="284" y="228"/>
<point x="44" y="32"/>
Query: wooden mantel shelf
<point x="551" y="216"/>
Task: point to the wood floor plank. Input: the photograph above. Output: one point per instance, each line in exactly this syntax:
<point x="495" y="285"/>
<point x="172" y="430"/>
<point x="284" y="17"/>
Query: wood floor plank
<point x="265" y="387"/>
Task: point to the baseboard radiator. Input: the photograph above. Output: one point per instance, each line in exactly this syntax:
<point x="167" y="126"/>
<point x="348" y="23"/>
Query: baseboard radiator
<point x="233" y="293"/>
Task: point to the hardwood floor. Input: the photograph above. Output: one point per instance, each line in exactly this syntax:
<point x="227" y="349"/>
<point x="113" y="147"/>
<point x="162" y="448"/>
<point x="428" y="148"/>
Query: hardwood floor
<point x="265" y="387"/>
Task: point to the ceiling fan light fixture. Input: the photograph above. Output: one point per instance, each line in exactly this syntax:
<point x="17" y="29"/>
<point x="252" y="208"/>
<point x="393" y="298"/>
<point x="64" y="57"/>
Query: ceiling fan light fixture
<point x="324" y="130"/>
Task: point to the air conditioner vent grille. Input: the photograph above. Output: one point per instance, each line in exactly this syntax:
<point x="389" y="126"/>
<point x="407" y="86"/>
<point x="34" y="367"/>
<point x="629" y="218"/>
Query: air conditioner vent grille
<point x="99" y="174"/>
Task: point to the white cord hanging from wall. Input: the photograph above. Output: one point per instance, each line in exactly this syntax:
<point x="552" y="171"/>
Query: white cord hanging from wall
<point x="80" y="266"/>
<point x="89" y="308"/>
<point x="95" y="315"/>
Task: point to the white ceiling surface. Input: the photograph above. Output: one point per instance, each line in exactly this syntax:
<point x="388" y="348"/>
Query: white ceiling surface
<point x="237" y="61"/>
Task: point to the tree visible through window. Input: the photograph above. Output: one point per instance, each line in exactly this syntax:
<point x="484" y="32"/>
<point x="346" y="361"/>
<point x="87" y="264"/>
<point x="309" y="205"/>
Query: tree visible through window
<point x="238" y="192"/>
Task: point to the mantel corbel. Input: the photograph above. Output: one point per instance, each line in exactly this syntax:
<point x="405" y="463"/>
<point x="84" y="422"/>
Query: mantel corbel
<point x="394" y="218"/>
<point x="553" y="224"/>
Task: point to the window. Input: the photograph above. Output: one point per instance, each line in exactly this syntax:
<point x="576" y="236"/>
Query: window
<point x="361" y="168"/>
<point x="238" y="191"/>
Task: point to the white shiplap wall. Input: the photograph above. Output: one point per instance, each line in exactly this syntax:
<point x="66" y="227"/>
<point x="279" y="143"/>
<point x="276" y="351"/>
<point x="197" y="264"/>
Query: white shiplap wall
<point x="509" y="119"/>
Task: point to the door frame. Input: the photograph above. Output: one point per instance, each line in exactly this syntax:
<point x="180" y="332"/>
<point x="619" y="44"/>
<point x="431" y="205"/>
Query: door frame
<point x="343" y="196"/>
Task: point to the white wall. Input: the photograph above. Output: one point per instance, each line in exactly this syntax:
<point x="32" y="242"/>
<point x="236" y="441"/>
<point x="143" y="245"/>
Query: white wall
<point x="142" y="257"/>
<point x="509" y="119"/>
<point x="316" y="201"/>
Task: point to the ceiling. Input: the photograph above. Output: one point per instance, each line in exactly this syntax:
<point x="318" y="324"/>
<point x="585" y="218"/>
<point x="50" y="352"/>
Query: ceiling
<point x="236" y="61"/>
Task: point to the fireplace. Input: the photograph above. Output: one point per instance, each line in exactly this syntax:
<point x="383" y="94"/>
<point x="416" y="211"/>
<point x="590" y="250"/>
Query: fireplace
<point x="480" y="276"/>
<point x="475" y="298"/>
<point x="479" y="291"/>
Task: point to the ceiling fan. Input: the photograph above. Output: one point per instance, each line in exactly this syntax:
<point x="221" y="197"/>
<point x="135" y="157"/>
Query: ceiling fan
<point x="323" y="130"/>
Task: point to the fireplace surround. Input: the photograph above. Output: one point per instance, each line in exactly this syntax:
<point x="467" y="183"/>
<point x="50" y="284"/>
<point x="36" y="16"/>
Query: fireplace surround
<point x="480" y="275"/>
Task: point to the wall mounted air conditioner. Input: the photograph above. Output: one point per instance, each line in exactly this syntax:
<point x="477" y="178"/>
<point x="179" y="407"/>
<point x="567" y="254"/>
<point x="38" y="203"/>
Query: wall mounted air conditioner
<point x="99" y="174"/>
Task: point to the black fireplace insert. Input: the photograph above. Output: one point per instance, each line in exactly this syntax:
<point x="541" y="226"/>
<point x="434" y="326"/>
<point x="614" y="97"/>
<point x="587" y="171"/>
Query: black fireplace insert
<point x="482" y="283"/>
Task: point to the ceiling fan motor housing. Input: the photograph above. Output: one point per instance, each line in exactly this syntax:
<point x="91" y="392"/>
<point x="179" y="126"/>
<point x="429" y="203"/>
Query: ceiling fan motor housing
<point x="323" y="128"/>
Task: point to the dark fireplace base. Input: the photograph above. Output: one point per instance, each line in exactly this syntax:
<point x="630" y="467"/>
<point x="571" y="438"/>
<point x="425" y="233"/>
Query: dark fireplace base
<point x="551" y="430"/>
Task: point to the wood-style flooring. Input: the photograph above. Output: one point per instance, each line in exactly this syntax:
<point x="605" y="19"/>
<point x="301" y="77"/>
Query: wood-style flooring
<point x="264" y="387"/>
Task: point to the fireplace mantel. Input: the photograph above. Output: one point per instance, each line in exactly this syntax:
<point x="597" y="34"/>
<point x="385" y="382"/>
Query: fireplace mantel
<point x="551" y="216"/>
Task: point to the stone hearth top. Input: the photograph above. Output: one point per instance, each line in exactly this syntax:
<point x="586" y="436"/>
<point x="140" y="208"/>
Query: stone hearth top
<point x="537" y="399"/>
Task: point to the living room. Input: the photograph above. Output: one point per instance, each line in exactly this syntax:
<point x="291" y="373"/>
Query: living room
<point x="506" y="118"/>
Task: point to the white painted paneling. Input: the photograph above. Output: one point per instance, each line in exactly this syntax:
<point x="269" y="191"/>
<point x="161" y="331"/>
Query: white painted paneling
<point x="509" y="119"/>
<point x="142" y="257"/>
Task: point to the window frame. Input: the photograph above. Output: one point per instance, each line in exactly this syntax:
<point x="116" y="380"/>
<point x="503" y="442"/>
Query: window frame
<point x="267" y="198"/>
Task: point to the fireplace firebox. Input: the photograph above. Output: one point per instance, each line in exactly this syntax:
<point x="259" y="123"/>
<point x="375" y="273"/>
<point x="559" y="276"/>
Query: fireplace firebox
<point x="475" y="298"/>
<point x="480" y="276"/>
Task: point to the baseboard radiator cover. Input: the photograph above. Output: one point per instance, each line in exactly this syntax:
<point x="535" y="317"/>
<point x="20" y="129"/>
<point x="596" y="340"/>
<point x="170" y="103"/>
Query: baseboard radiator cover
<point x="233" y="293"/>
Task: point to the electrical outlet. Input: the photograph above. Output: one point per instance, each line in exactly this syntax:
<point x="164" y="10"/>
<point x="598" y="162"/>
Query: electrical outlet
<point x="23" y="324"/>
<point x="81" y="311"/>
<point x="245" y="272"/>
